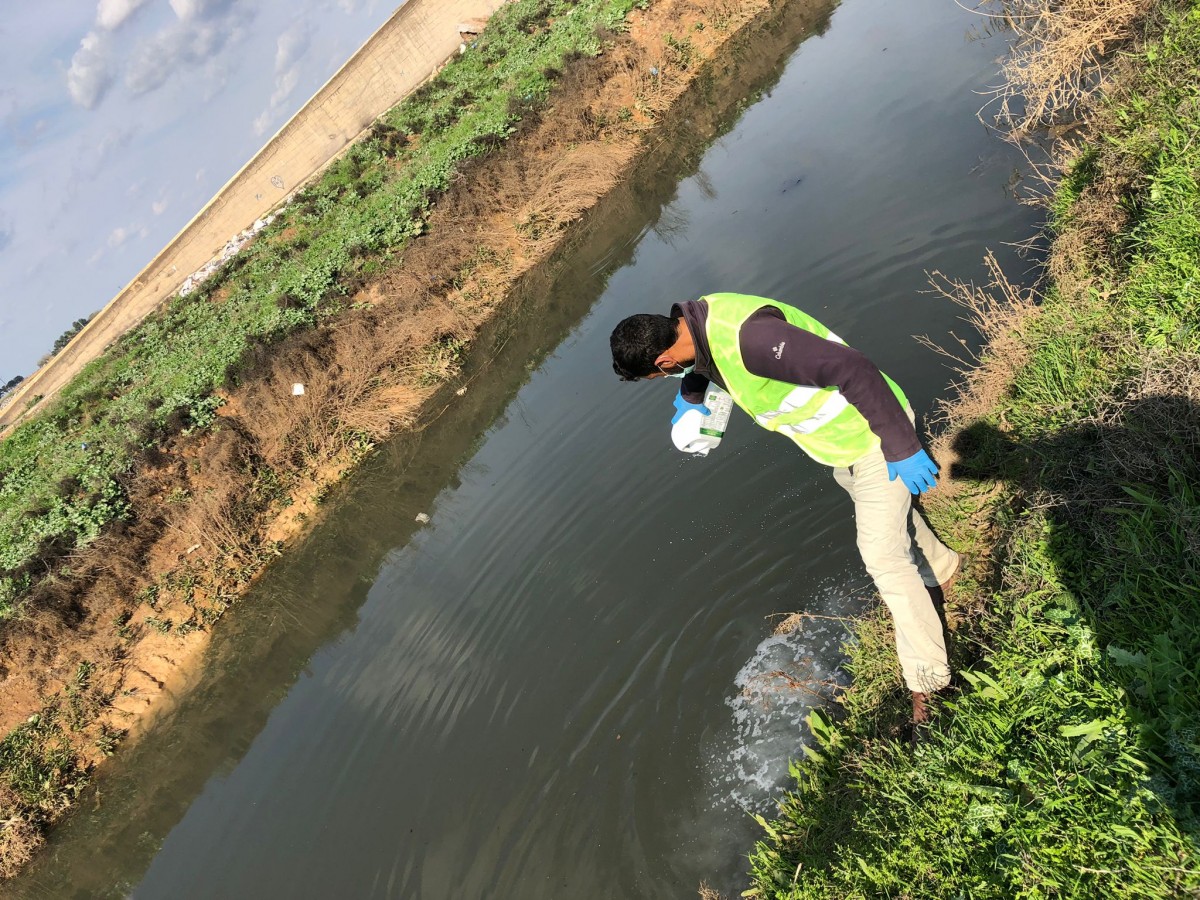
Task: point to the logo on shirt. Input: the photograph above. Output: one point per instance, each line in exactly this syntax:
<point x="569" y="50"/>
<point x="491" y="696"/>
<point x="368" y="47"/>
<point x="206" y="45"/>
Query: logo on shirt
<point x="779" y="350"/>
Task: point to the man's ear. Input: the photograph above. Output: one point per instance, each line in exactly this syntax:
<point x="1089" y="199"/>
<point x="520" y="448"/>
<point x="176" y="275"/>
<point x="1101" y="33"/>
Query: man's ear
<point x="664" y="360"/>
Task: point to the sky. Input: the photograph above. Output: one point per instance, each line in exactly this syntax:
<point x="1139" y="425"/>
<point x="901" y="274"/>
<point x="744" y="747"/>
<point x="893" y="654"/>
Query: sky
<point x="119" y="120"/>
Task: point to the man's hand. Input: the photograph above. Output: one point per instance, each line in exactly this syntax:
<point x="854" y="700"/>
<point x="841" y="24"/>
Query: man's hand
<point x="682" y="406"/>
<point x="918" y="472"/>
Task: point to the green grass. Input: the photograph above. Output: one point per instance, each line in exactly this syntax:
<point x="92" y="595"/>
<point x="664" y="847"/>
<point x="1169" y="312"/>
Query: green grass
<point x="39" y="759"/>
<point x="1068" y="765"/>
<point x="62" y="474"/>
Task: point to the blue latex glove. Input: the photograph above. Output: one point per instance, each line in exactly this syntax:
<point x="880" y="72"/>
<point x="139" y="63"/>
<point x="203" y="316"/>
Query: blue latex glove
<point x="682" y="406"/>
<point x="918" y="472"/>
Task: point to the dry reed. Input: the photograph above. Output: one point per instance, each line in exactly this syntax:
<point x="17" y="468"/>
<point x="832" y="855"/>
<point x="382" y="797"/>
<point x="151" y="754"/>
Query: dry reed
<point x="1057" y="61"/>
<point x="999" y="311"/>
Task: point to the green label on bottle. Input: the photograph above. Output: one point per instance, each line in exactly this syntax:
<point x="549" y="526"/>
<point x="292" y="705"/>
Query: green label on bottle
<point x="712" y="432"/>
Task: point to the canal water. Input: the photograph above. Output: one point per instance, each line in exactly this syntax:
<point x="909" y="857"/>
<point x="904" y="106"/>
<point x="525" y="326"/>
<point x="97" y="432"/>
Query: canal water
<point x="564" y="684"/>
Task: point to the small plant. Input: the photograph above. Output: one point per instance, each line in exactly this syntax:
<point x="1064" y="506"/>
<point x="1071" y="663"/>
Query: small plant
<point x="361" y="446"/>
<point x="38" y="761"/>
<point x="178" y="495"/>
<point x="162" y="626"/>
<point x="443" y="358"/>
<point x="183" y="629"/>
<point x="149" y="594"/>
<point x="79" y="702"/>
<point x="121" y="625"/>
<point x="679" y="51"/>
<point x="108" y="739"/>
<point x="181" y="580"/>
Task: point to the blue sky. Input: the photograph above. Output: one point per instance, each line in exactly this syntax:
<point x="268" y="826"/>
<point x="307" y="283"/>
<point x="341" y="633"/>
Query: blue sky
<point x="119" y="119"/>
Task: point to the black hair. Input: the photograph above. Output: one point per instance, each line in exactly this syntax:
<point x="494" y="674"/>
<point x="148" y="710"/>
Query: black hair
<point x="638" y="341"/>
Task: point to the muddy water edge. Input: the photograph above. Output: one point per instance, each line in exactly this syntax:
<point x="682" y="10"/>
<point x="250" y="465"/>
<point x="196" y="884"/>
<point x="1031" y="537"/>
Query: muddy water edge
<point x="543" y="691"/>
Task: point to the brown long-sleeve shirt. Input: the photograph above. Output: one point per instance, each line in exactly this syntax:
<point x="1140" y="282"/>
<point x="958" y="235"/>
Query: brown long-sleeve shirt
<point x="772" y="348"/>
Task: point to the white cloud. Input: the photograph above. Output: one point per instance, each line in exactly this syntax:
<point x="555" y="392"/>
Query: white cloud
<point x="111" y="14"/>
<point x="215" y="79"/>
<point x="158" y="207"/>
<point x="262" y="122"/>
<point x="351" y="7"/>
<point x="194" y="9"/>
<point x="284" y="85"/>
<point x="113" y="141"/>
<point x="118" y="236"/>
<point x="90" y="74"/>
<point x="187" y="9"/>
<point x="121" y="235"/>
<point x="292" y="45"/>
<point x="204" y="29"/>
<point x="158" y="57"/>
<point x="290" y="48"/>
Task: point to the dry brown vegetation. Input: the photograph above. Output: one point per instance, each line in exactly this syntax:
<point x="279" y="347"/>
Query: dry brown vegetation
<point x="1063" y="57"/>
<point x="997" y="311"/>
<point x="1059" y="58"/>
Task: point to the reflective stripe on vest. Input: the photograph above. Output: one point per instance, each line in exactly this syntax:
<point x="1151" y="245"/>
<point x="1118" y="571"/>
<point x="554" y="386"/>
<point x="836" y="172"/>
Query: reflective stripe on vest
<point x="820" y="420"/>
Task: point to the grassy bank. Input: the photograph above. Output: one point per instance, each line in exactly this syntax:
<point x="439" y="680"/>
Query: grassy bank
<point x="1067" y="761"/>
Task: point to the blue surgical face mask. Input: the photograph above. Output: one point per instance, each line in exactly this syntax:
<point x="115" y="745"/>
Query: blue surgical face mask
<point x="687" y="370"/>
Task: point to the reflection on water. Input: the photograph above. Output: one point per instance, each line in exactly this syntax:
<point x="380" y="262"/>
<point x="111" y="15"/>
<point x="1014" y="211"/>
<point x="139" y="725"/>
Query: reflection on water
<point x="564" y="685"/>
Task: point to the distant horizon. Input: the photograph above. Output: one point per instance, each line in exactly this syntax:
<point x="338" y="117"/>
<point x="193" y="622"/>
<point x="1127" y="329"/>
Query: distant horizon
<point x="216" y="77"/>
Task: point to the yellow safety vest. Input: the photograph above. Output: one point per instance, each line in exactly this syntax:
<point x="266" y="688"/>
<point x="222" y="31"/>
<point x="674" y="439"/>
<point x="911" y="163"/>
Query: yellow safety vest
<point x="820" y="420"/>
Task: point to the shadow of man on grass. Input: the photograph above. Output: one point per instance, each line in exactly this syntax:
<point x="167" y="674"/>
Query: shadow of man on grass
<point x="1118" y="504"/>
<point x="1064" y="746"/>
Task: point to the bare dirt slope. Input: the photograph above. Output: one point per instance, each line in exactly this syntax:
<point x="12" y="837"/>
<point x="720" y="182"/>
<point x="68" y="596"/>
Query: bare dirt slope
<point x="401" y="55"/>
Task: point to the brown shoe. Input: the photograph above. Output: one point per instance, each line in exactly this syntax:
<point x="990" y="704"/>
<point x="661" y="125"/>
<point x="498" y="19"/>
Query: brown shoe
<point x="921" y="711"/>
<point x="923" y="708"/>
<point x="949" y="582"/>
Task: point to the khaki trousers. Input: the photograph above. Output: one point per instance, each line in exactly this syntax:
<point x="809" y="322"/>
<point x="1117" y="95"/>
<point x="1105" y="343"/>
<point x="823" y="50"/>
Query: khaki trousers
<point x="902" y="556"/>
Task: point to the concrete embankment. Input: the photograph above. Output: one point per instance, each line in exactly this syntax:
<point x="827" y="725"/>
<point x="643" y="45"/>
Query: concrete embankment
<point x="394" y="61"/>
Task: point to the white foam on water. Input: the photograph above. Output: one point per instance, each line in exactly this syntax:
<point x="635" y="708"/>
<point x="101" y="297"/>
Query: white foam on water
<point x="786" y="677"/>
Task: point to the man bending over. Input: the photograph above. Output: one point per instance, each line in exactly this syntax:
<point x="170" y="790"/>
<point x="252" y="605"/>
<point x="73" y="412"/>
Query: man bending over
<point x="795" y="377"/>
